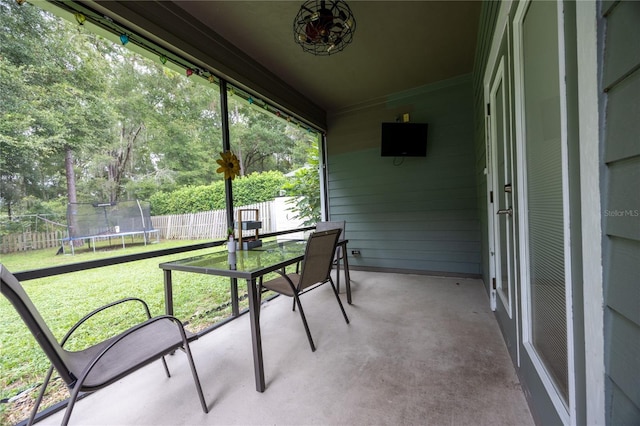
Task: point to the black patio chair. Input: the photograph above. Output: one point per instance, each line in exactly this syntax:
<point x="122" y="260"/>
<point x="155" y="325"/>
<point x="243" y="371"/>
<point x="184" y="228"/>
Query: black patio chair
<point x="104" y="363"/>
<point x="325" y="226"/>
<point x="316" y="270"/>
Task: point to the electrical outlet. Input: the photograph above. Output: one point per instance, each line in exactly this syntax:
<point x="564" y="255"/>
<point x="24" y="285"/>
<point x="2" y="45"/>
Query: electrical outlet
<point x="355" y="252"/>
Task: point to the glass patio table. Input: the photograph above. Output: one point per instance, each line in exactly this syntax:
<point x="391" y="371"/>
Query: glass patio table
<point x="248" y="265"/>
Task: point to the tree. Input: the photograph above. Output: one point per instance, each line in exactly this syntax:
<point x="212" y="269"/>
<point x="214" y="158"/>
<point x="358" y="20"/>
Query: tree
<point x="260" y="140"/>
<point x="16" y="147"/>
<point x="84" y="119"/>
<point x="305" y="185"/>
<point x="13" y="167"/>
<point x="62" y="104"/>
<point x="182" y="132"/>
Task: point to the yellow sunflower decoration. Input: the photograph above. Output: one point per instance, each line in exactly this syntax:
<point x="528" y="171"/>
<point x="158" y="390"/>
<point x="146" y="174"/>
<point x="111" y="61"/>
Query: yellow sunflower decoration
<point x="229" y="165"/>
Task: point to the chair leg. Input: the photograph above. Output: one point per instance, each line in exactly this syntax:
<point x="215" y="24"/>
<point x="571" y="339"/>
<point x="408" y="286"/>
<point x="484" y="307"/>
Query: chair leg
<point x="259" y="304"/>
<point x="195" y="376"/>
<point x="71" y="404"/>
<point x="76" y="389"/>
<point x="34" y="411"/>
<point x="338" y="275"/>
<point x="335" y="291"/>
<point x="166" y="367"/>
<point x="304" y="322"/>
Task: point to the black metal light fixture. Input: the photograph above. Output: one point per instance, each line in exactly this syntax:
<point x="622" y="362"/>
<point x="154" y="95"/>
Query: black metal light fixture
<point x="324" y="27"/>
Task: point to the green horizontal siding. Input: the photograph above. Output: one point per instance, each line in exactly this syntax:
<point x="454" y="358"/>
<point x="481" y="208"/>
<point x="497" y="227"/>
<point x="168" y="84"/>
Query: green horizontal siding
<point x="417" y="214"/>
<point x="623" y="125"/>
<point x="624" y="270"/>
<point x="621" y="215"/>
<point x="623" y="363"/>
<point x="622" y="52"/>
<point x="621" y="408"/>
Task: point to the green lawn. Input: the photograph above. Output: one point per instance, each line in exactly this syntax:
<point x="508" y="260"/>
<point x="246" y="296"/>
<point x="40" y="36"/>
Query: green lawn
<point x="63" y="300"/>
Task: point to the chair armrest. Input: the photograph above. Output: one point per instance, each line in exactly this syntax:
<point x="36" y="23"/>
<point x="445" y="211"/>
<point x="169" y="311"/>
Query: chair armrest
<point x="286" y="277"/>
<point x="100" y="309"/>
<point x="118" y="338"/>
<point x="283" y="273"/>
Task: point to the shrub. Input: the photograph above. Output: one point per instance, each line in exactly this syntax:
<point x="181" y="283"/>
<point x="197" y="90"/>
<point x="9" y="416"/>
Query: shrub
<point x="254" y="188"/>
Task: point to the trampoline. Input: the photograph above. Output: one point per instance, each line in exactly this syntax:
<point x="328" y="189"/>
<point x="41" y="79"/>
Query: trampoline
<point x="105" y="221"/>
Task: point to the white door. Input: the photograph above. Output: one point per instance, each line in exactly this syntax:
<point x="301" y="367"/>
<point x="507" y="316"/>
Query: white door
<point x="544" y="229"/>
<point x="528" y="201"/>
<point x="502" y="186"/>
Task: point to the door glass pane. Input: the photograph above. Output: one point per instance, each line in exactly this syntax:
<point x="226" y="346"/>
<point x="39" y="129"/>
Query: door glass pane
<point x="501" y="199"/>
<point x="545" y="190"/>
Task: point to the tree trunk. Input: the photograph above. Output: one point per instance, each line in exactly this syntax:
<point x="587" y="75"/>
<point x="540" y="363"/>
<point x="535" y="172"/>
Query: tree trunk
<point x="71" y="193"/>
<point x="240" y="160"/>
<point x="117" y="168"/>
<point x="70" y="174"/>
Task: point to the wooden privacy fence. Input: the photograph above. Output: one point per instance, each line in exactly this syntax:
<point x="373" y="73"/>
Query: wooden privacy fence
<point x="30" y="241"/>
<point x="211" y="225"/>
<point x="207" y="225"/>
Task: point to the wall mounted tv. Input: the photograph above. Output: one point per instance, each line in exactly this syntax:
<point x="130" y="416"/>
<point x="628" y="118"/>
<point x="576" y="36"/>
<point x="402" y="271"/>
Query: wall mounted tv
<point x="404" y="139"/>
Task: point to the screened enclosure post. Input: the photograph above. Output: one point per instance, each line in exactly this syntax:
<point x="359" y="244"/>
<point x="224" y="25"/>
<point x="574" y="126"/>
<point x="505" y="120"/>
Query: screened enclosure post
<point x="322" y="172"/>
<point x="226" y="146"/>
<point x="228" y="189"/>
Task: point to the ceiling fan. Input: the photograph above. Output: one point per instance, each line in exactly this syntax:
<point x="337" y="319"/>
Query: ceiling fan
<point x="324" y="27"/>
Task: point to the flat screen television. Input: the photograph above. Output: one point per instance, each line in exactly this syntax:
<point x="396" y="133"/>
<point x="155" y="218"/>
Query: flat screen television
<point x="404" y="139"/>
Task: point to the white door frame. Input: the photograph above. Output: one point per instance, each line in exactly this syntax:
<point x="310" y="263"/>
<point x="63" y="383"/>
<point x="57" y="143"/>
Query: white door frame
<point x="591" y="210"/>
<point x="501" y="24"/>
<point x="501" y="77"/>
<point x="495" y="66"/>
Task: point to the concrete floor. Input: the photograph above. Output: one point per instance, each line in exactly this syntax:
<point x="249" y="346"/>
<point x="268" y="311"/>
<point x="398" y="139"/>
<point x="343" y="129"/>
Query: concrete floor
<point x="419" y="350"/>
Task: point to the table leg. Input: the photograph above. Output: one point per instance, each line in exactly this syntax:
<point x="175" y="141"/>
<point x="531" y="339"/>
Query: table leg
<point x="235" y="305"/>
<point x="256" y="339"/>
<point x="168" y="292"/>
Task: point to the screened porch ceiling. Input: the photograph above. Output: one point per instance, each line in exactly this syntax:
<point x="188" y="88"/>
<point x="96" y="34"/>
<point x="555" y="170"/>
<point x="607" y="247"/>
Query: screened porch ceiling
<point x="398" y="45"/>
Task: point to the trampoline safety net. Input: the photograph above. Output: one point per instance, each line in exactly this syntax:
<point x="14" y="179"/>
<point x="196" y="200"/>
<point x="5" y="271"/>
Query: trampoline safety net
<point x="90" y="220"/>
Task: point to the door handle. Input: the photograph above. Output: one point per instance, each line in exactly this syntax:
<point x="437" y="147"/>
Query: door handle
<point x="508" y="211"/>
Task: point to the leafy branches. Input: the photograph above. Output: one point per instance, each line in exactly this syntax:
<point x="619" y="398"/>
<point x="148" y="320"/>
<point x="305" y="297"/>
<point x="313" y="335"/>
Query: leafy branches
<point x="255" y="188"/>
<point x="83" y="119"/>
<point x="306" y="185"/>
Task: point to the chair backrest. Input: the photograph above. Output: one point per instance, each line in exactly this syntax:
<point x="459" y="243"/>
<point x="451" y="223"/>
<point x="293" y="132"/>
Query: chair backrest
<point x="318" y="258"/>
<point x="327" y="225"/>
<point x="11" y="288"/>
